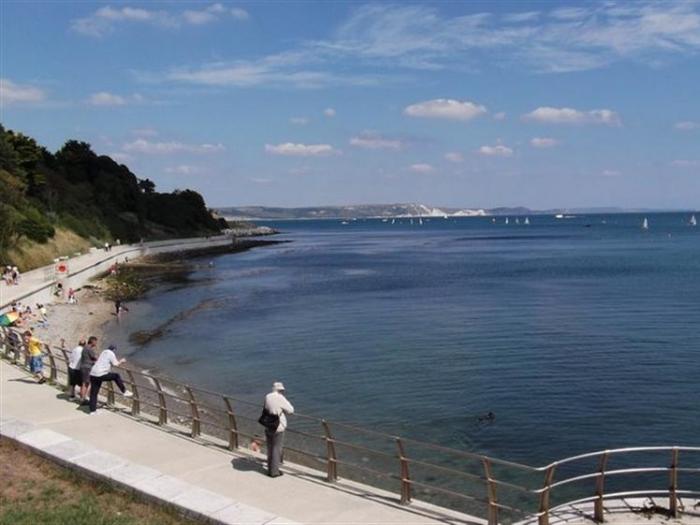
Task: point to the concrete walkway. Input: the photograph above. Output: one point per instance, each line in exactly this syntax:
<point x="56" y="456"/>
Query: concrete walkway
<point x="220" y="486"/>
<point x="80" y="267"/>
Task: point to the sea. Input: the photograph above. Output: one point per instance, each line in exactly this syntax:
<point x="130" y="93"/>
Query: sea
<point x="577" y="334"/>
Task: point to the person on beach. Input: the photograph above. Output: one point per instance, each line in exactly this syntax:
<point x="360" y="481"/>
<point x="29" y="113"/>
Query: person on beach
<point x="36" y="363"/>
<point x="101" y="372"/>
<point x="87" y="359"/>
<point x="276" y="403"/>
<point x="75" y="377"/>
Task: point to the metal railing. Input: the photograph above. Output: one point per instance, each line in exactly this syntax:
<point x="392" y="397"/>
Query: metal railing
<point x="499" y="491"/>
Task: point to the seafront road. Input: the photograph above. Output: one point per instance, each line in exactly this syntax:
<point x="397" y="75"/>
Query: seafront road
<point x="214" y="484"/>
<point x="83" y="267"/>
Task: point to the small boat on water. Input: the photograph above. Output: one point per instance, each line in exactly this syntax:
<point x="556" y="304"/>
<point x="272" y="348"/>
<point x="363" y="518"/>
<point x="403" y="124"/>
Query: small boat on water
<point x="420" y="221"/>
<point x="645" y="224"/>
<point x="493" y="220"/>
<point x="527" y="221"/>
<point x="506" y="220"/>
<point x="517" y="221"/>
<point x="693" y="221"/>
<point x="559" y="216"/>
<point x="393" y="221"/>
<point x="344" y="222"/>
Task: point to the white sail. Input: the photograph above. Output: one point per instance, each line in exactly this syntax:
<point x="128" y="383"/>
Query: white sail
<point x="506" y="220"/>
<point x="693" y="221"/>
<point x="517" y="221"/>
<point x="645" y="224"/>
<point x="527" y="221"/>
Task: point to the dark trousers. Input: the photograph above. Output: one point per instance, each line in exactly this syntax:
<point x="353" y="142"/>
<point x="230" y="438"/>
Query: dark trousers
<point x="275" y="442"/>
<point x="96" y="384"/>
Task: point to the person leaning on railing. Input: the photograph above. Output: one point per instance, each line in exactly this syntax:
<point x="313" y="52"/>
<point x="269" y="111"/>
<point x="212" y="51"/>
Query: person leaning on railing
<point x="102" y="371"/>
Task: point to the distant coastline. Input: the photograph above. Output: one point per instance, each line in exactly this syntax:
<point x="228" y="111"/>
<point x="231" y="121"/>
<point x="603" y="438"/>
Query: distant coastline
<point x="408" y="210"/>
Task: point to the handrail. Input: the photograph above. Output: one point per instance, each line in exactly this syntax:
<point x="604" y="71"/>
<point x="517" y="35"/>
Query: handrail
<point x="161" y="397"/>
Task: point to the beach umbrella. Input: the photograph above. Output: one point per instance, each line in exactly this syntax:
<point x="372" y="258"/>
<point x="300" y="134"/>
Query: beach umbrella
<point x="8" y="318"/>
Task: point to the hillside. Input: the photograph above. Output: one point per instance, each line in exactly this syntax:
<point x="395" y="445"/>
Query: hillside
<point x="57" y="203"/>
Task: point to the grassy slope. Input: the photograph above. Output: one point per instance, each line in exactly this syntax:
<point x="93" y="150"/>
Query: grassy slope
<point x="36" y="491"/>
<point x="31" y="254"/>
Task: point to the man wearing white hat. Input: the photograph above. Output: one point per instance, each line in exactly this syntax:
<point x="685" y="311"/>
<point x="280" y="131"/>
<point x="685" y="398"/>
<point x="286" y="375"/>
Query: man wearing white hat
<point x="277" y="404"/>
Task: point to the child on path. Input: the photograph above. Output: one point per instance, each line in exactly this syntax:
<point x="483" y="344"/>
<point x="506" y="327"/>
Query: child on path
<point x="36" y="364"/>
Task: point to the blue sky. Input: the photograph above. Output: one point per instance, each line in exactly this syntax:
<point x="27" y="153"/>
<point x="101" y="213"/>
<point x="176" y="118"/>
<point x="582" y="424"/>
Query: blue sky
<point x="465" y="104"/>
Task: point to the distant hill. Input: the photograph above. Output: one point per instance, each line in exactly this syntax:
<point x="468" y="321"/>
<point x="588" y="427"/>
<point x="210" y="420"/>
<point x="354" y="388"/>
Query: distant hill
<point x="363" y="211"/>
<point x="57" y="203"/>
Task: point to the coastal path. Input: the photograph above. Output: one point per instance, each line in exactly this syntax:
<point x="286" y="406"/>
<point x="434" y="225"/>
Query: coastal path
<point x="37" y="285"/>
<point x="209" y="483"/>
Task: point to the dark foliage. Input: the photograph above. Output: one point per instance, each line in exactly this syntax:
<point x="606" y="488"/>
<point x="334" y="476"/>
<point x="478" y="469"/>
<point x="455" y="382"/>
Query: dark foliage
<point x="92" y="195"/>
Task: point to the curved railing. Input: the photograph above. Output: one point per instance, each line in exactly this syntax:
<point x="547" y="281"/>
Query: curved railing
<point x="499" y="491"/>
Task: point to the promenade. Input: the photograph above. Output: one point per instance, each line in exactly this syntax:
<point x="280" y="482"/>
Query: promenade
<point x="39" y="282"/>
<point x="206" y="482"/>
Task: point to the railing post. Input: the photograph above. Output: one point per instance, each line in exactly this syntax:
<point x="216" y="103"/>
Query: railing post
<point x="544" y="496"/>
<point x="405" y="475"/>
<point x="135" y="400"/>
<point x="600" y="489"/>
<point x="331" y="465"/>
<point x="52" y="363"/>
<point x="673" y="486"/>
<point x="491" y="493"/>
<point x="196" y="430"/>
<point x="162" y="408"/>
<point x="110" y="393"/>
<point x="65" y="361"/>
<point x="232" y="425"/>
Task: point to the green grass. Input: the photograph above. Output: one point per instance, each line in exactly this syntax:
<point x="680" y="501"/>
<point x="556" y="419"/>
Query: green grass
<point x="34" y="491"/>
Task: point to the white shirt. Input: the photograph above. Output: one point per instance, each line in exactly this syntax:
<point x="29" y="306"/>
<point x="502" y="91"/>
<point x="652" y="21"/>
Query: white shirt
<point x="276" y="403"/>
<point x="104" y="363"/>
<point x="74" y="359"/>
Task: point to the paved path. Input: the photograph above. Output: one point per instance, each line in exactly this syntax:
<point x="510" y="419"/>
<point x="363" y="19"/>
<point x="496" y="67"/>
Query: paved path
<point x="226" y="487"/>
<point x="40" y="278"/>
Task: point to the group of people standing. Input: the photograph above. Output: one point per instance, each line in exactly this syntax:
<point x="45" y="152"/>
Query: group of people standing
<point x="10" y="274"/>
<point x="88" y="368"/>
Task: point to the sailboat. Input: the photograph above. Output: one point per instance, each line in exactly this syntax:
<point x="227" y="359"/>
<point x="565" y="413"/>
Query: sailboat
<point x="645" y="224"/>
<point x="506" y="220"/>
<point x="420" y="221"/>
<point x="517" y="221"/>
<point x="527" y="221"/>
<point x="493" y="220"/>
<point x="693" y="221"/>
<point x="393" y="221"/>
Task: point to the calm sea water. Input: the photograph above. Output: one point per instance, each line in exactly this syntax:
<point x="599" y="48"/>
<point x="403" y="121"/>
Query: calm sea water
<point x="578" y="334"/>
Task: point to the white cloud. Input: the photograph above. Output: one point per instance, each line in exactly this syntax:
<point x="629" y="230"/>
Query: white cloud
<point x="11" y="93"/>
<point x="183" y="169"/>
<point x="329" y="112"/>
<point x="543" y="142"/>
<point x="103" y="98"/>
<point x="105" y="19"/>
<point x="168" y="148"/>
<point x="284" y="69"/>
<point x="445" y="108"/>
<point x="687" y="125"/>
<point x="550" y="115"/>
<point x="422" y="168"/>
<point x="373" y="140"/>
<point x="144" y="132"/>
<point x="121" y="158"/>
<point x="501" y="115"/>
<point x="611" y="173"/>
<point x="240" y="14"/>
<point x="301" y="150"/>
<point x="499" y="150"/>
<point x="299" y="121"/>
<point x="561" y="39"/>
<point x="454" y="156"/>
<point x="684" y="163"/>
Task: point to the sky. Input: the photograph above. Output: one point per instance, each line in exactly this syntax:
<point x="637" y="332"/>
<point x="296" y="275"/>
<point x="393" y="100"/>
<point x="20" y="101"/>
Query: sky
<point x="284" y="103"/>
